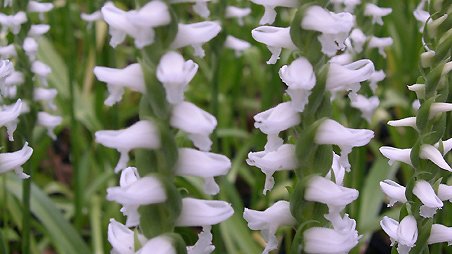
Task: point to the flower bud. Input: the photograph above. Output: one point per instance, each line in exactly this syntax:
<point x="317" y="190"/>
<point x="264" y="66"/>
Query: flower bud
<point x="404" y="233"/>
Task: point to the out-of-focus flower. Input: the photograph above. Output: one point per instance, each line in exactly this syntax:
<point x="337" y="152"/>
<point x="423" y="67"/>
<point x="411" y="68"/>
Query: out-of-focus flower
<point x="142" y="134"/>
<point x="9" y="118"/>
<point x="175" y="73"/>
<point x="121" y="238"/>
<point x="236" y="44"/>
<point x="358" y="39"/>
<point x="195" y="35"/>
<point x="270" y="5"/>
<point x="12" y="22"/>
<point x="282" y="158"/>
<point x="197" y="123"/>
<point x="440" y="233"/>
<point x="376" y="77"/>
<point x="38" y="30"/>
<point x="405" y="233"/>
<point x="269" y="221"/>
<point x="276" y="38"/>
<point x="199" y="212"/>
<point x="8" y="51"/>
<point x="91" y="17"/>
<point x="394" y="191"/>
<point x="200" y="6"/>
<point x="445" y="192"/>
<point x="49" y="122"/>
<point x="45" y="95"/>
<point x="367" y="106"/>
<point x="192" y="162"/>
<point x="300" y="79"/>
<point x="117" y="79"/>
<point x="429" y="152"/>
<point x="6" y="69"/>
<point x="41" y="70"/>
<point x="15" y="160"/>
<point x="30" y="47"/>
<point x="335" y="27"/>
<point x="337" y="169"/>
<point x="237" y="12"/>
<point x="376" y="12"/>
<point x="396" y="154"/>
<point x="327" y="240"/>
<point x="421" y="15"/>
<point x="204" y="244"/>
<point x="380" y="43"/>
<point x="424" y="191"/>
<point x="41" y="8"/>
<point x="159" y="244"/>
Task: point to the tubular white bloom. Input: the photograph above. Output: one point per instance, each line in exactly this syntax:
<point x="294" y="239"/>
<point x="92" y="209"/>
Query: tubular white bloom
<point x="282" y="158"/>
<point x="424" y="191"/>
<point x="16" y="78"/>
<point x="236" y="44"/>
<point x="237" y="12"/>
<point x="300" y="78"/>
<point x="337" y="169"/>
<point x="159" y="244"/>
<point x="37" y="30"/>
<point x="9" y="118"/>
<point x="199" y="212"/>
<point x="121" y="238"/>
<point x="15" y="160"/>
<point x="12" y="22"/>
<point x="429" y="152"/>
<point x="269" y="221"/>
<point x="358" y="39"/>
<point x="8" y="51"/>
<point x="135" y="191"/>
<point x="6" y="69"/>
<point x="376" y="12"/>
<point x="376" y="77"/>
<point x="276" y="38"/>
<point x="323" y="190"/>
<point x="367" y="106"/>
<point x="192" y="162"/>
<point x="142" y="134"/>
<point x="277" y="119"/>
<point x="380" y="43"/>
<point x="421" y="15"/>
<point x="342" y="59"/>
<point x="130" y="77"/>
<point x="46" y="95"/>
<point x="404" y="233"/>
<point x="195" y="34"/>
<point x="35" y="6"/>
<point x="419" y="89"/>
<point x="91" y="17"/>
<point x="445" y="192"/>
<point x="396" y="154"/>
<point x="394" y="191"/>
<point x="348" y="77"/>
<point x="119" y="25"/>
<point x="331" y="132"/>
<point x="204" y="244"/>
<point x="30" y="47"/>
<point x="446" y="145"/>
<point x="132" y="215"/>
<point x="50" y="122"/>
<point x="440" y="233"/>
<point x="197" y="123"/>
<point x="439" y="107"/>
<point x="404" y="122"/>
<point x="416" y="105"/>
<point x="270" y="5"/>
<point x="41" y="70"/>
<point x="327" y="240"/>
<point x="335" y="27"/>
<point x="175" y="73"/>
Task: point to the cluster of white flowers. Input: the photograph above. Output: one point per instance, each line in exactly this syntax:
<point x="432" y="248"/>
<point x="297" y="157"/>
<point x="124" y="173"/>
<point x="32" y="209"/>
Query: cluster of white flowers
<point x="174" y="73"/>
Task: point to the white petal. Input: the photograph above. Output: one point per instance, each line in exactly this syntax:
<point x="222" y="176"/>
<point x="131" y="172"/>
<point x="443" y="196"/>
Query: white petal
<point x="424" y="191"/>
<point x="146" y="190"/>
<point x="277" y="119"/>
<point x="198" y="212"/>
<point x="405" y="122"/>
<point x="195" y="34"/>
<point x="396" y="154"/>
<point x="324" y="191"/>
<point x="275" y="38"/>
<point x="15" y="160"/>
<point x="50" y="122"/>
<point x="430" y="152"/>
<point x="440" y="233"/>
<point x="394" y="191"/>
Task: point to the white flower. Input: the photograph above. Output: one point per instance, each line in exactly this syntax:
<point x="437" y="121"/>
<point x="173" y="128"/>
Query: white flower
<point x="424" y="191"/>
<point x="323" y="190"/>
<point x="421" y="15"/>
<point x="269" y="221"/>
<point x="135" y="191"/>
<point x="8" y="51"/>
<point x="15" y="160"/>
<point x="142" y="134"/>
<point x="380" y="43"/>
<point x="192" y="162"/>
<point x="439" y="107"/>
<point x="38" y="30"/>
<point x="337" y="169"/>
<point x="404" y="122"/>
<point x="419" y="89"/>
<point x="276" y="38"/>
<point x="440" y="233"/>
<point x="50" y="122"/>
<point x="197" y="123"/>
<point x="175" y="73"/>
<point x="117" y="79"/>
<point x="270" y="5"/>
<point x="367" y="106"/>
<point x="16" y="78"/>
<point x="358" y="39"/>
<point x="91" y="17"/>
<point x="300" y="78"/>
<point x="282" y="158"/>
<point x="159" y="244"/>
<point x="151" y="15"/>
<point x="13" y="22"/>
<point x="348" y="77"/>
<point x="404" y="233"/>
<point x="121" y="238"/>
<point x="326" y="240"/>
<point x="6" y="69"/>
<point x="416" y="105"/>
<point x="9" y="117"/>
<point x="199" y="212"/>
<point x="331" y="132"/>
<point x="335" y="27"/>
<point x="46" y="95"/>
<point x="445" y="192"/>
<point x="376" y="77"/>
<point x="429" y="152"/>
<point x="41" y="70"/>
<point x="236" y="44"/>
<point x="396" y="154"/>
<point x="204" y="244"/>
<point x="35" y="6"/>
<point x="376" y="12"/>
<point x="394" y="191"/>
<point x="446" y="145"/>
<point x="237" y="12"/>
<point x="30" y="47"/>
<point x="195" y="34"/>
